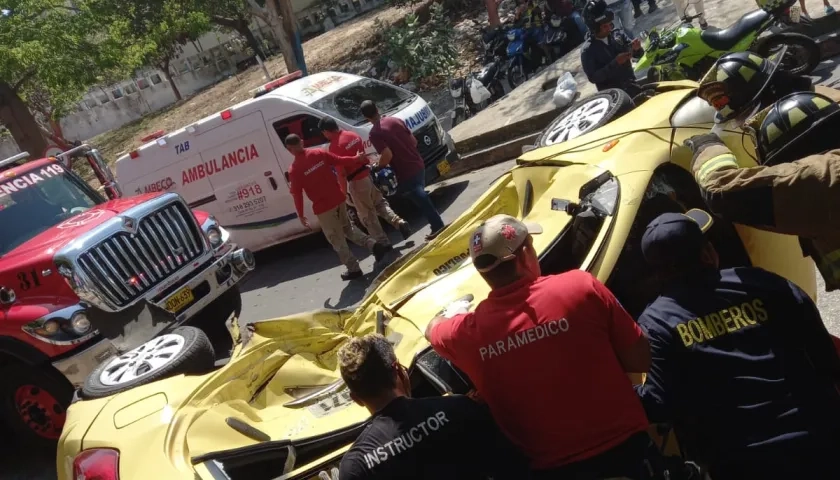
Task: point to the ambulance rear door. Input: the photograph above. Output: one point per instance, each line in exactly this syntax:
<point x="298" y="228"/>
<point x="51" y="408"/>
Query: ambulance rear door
<point x="252" y="199"/>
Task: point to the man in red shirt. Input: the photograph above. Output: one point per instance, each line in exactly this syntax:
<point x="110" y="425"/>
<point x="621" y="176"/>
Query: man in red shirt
<point x="397" y="148"/>
<point x="312" y="172"/>
<point x="366" y="197"/>
<point x="550" y="356"/>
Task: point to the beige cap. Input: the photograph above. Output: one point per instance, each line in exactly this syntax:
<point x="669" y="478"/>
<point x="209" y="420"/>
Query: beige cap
<point x="497" y="238"/>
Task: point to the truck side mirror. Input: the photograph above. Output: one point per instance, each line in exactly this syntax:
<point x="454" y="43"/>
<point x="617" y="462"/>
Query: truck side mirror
<point x="104" y="174"/>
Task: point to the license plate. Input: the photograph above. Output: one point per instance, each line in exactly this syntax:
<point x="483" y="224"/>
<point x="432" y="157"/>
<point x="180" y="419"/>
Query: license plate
<point x="177" y="302"/>
<point x="443" y="167"/>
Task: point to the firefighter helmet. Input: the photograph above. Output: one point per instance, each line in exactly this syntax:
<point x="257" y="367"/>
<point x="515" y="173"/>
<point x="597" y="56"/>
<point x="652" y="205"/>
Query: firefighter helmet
<point x="733" y="86"/>
<point x="795" y="127"/>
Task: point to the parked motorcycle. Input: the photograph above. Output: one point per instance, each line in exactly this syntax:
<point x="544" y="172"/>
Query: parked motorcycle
<point x="683" y="51"/>
<point x="561" y="36"/>
<point x="476" y="91"/>
<point x="524" y="55"/>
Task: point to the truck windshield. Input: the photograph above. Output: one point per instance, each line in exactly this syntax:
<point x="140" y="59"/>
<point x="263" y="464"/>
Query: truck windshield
<point x="34" y="201"/>
<point x="344" y="104"/>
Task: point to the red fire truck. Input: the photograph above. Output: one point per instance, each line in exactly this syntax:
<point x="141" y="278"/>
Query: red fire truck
<point x="85" y="276"/>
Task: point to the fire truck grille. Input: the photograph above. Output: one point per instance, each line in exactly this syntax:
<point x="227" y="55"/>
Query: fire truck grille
<point x="126" y="265"/>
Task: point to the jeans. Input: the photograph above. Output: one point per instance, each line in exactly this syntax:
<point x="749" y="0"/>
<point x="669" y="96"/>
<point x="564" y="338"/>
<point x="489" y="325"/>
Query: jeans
<point x="623" y="16"/>
<point x="415" y="189"/>
<point x="581" y="25"/>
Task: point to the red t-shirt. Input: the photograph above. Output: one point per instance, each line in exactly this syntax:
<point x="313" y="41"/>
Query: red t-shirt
<point x="349" y="144"/>
<point x="390" y="132"/>
<point x="542" y="355"/>
<point x="312" y="172"/>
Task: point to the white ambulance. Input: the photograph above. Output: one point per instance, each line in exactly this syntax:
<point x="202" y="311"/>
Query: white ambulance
<point x="233" y="164"/>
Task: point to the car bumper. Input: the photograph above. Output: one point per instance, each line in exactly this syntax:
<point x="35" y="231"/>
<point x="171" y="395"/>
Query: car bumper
<point x="77" y="367"/>
<point x="209" y="284"/>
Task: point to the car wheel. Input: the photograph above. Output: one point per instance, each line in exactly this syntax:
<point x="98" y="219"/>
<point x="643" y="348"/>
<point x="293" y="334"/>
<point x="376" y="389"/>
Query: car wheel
<point x="33" y="403"/>
<point x="182" y="351"/>
<point x="586" y="115"/>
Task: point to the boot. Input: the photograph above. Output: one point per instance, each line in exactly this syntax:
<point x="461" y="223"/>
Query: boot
<point x="380" y="250"/>
<point x="351" y="274"/>
<point x="405" y="230"/>
<point x="637" y="11"/>
<point x="652" y="6"/>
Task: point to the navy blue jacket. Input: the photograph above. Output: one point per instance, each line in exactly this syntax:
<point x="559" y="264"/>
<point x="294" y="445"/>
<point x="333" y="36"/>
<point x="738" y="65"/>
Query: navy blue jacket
<point x="743" y="367"/>
<point x="599" y="64"/>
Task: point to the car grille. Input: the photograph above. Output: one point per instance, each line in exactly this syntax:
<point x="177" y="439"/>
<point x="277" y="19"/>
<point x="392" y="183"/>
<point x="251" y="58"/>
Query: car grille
<point x="428" y="150"/>
<point x="126" y="265"/>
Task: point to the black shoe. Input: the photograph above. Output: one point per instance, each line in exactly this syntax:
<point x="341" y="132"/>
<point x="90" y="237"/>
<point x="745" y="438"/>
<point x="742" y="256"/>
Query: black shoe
<point x="434" y="235"/>
<point x="703" y="24"/>
<point x="638" y="13"/>
<point x="348" y="275"/>
<point x="405" y="230"/>
<point x="652" y="7"/>
<point x="379" y="251"/>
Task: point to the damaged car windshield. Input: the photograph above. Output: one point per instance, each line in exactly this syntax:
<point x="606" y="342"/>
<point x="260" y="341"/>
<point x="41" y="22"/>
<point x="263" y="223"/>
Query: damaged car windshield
<point x="344" y="104"/>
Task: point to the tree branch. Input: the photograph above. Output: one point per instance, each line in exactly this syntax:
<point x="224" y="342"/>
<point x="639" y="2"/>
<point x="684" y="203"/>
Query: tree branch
<point x="25" y="78"/>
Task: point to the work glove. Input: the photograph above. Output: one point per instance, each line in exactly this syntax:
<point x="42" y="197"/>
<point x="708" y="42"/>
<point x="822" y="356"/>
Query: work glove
<point x="458" y="307"/>
<point x="698" y="142"/>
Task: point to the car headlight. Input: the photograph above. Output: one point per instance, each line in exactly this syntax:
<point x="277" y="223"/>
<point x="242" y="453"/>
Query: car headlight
<point x="215" y="237"/>
<point x="605" y="198"/>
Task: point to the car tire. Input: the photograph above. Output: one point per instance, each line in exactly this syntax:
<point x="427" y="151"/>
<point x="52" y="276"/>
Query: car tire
<point x="33" y="404"/>
<point x="806" y="52"/>
<point x="185" y="350"/>
<point x="586" y="115"/>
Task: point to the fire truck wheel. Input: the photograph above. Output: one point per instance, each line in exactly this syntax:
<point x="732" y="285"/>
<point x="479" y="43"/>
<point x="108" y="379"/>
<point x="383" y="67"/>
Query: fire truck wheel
<point x="33" y="403"/>
<point x="185" y="350"/>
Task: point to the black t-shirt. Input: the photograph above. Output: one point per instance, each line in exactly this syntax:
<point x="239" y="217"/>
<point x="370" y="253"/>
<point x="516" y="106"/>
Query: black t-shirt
<point x="432" y="438"/>
<point x="742" y="361"/>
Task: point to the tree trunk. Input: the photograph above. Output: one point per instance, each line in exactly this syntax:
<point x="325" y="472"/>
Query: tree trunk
<point x="284" y="36"/>
<point x="493" y="13"/>
<point x="242" y="26"/>
<point x="15" y="115"/>
<point x="246" y="32"/>
<point x="165" y="67"/>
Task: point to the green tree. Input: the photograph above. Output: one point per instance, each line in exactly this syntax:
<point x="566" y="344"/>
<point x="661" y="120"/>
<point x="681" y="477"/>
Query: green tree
<point x="151" y="32"/>
<point x="50" y="54"/>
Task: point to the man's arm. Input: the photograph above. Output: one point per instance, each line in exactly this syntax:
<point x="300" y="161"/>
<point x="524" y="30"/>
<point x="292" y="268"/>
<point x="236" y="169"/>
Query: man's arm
<point x="296" y="189"/>
<point x="385" y="157"/>
<point x="596" y="72"/>
<point x="819" y="345"/>
<point x="351" y="467"/>
<point x="790" y="198"/>
<point x="658" y="381"/>
<point x="339" y="161"/>
<point x="629" y="342"/>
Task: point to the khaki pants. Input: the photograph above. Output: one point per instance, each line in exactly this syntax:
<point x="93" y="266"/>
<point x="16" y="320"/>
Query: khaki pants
<point x="371" y="205"/>
<point x="337" y="228"/>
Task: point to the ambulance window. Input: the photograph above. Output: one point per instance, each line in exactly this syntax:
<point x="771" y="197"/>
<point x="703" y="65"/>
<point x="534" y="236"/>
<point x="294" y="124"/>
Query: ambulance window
<point x="305" y="126"/>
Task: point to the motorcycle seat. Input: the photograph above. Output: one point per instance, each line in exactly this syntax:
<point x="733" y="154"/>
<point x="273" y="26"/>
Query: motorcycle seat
<point x="727" y="38"/>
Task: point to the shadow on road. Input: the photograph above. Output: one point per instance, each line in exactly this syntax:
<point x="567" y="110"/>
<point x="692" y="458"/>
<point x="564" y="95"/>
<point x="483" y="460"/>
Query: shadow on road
<point x="355" y="290"/>
<point x="25" y="463"/>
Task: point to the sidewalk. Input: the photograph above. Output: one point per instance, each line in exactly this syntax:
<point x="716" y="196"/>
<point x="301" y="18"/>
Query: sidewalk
<point x="529" y="108"/>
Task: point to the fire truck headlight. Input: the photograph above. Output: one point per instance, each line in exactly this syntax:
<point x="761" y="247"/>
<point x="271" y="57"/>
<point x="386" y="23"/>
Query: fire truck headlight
<point x="80" y="323"/>
<point x="215" y="237"/>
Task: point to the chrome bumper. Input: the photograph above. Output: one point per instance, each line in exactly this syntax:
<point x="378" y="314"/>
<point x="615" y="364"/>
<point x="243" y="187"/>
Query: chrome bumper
<point x="221" y="275"/>
<point x="79" y="366"/>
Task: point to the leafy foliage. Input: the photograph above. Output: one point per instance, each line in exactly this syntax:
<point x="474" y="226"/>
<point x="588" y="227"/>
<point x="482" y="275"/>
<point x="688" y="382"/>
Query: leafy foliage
<point x="426" y="50"/>
<point x="151" y="31"/>
<point x="51" y="53"/>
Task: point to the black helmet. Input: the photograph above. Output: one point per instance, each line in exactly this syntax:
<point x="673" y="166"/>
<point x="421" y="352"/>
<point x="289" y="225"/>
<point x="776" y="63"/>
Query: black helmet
<point x="595" y="14"/>
<point x="798" y="125"/>
<point x="734" y="84"/>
